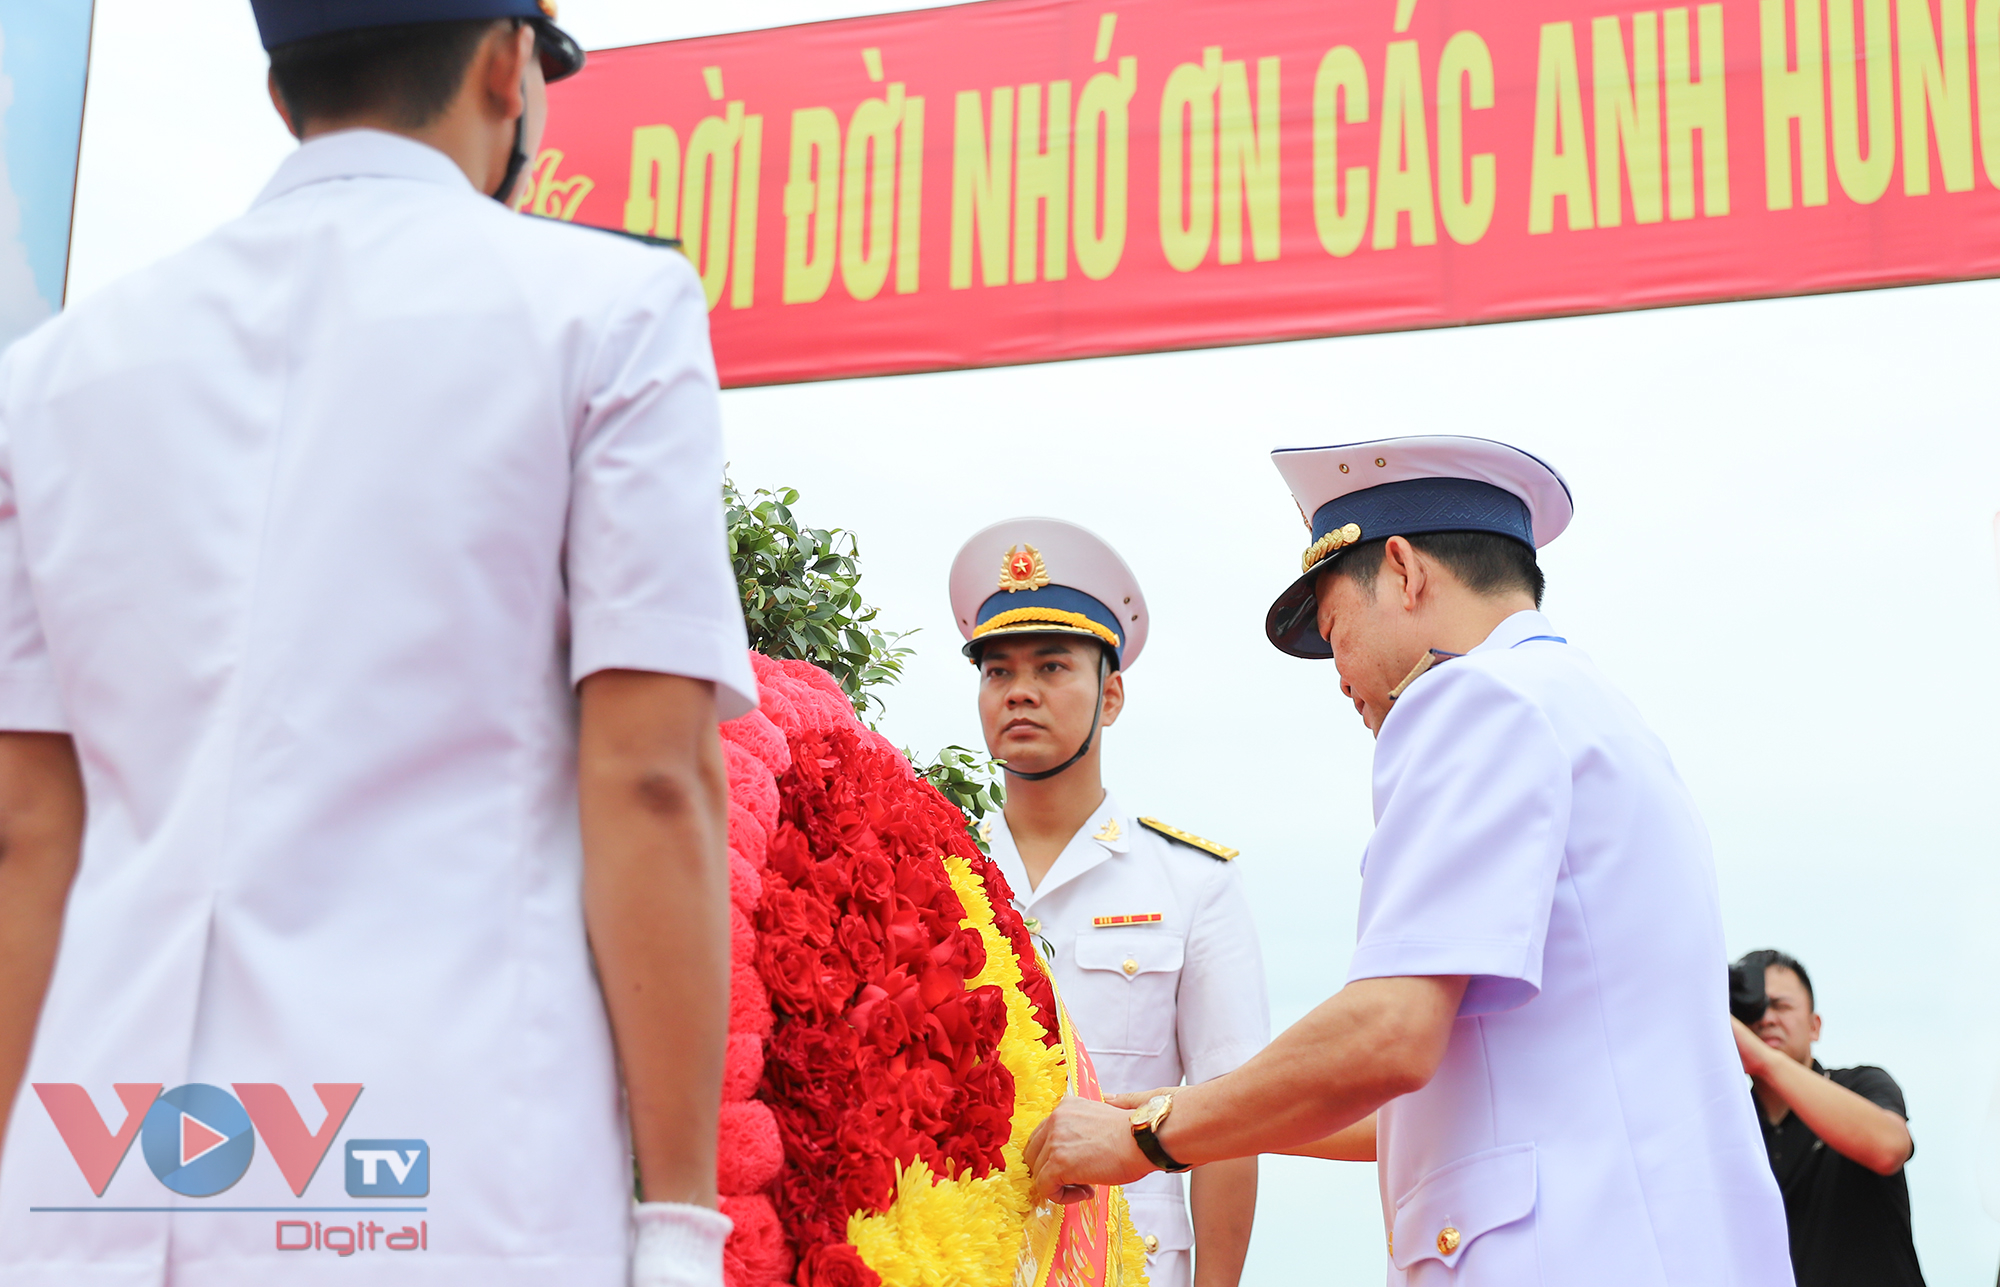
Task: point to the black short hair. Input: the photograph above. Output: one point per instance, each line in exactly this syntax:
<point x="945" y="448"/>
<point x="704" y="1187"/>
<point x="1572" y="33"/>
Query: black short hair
<point x="1486" y="563"/>
<point x="1764" y="958"/>
<point x="407" y="73"/>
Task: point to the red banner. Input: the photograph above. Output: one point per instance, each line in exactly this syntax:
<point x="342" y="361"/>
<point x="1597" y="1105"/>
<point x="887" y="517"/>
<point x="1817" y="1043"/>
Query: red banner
<point x="1026" y="180"/>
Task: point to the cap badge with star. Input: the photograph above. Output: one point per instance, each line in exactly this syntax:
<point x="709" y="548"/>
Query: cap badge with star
<point x="1023" y="569"/>
<point x="1054" y="578"/>
<point x="1365" y="492"/>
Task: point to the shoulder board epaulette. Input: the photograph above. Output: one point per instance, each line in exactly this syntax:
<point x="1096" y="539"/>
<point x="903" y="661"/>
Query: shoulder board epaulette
<point x="1209" y="847"/>
<point x="665" y="243"/>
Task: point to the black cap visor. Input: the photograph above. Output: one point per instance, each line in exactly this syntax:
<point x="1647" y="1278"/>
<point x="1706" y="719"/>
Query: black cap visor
<point x="561" y="56"/>
<point x="1292" y="624"/>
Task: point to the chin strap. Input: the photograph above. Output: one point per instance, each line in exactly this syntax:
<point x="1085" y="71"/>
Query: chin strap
<point x="1424" y="663"/>
<point x="1097" y="712"/>
<point x="519" y="161"/>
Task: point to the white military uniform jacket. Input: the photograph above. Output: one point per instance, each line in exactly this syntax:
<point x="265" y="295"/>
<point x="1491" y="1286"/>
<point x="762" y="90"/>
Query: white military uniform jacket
<point x="1157" y="1002"/>
<point x="1588" y="1124"/>
<point x="305" y="535"/>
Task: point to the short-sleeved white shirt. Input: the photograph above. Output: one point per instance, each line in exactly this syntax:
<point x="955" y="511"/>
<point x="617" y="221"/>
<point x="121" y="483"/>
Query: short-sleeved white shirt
<point x="1588" y="1123"/>
<point x="305" y="535"/>
<point x="1157" y="1002"/>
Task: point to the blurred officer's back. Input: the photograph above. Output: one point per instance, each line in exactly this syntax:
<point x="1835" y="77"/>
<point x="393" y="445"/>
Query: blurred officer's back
<point x="309" y="537"/>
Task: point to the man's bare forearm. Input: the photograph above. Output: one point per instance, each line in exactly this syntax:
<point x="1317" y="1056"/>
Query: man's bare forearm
<point x="654" y="802"/>
<point x="1222" y="1198"/>
<point x="41" y="836"/>
<point x="1372" y="1041"/>
<point x="1354" y="1144"/>
<point x="1851" y="1125"/>
<point x="1376" y="1039"/>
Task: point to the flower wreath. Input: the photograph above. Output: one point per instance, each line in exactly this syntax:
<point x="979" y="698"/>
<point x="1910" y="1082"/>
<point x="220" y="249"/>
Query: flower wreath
<point x="893" y="1037"/>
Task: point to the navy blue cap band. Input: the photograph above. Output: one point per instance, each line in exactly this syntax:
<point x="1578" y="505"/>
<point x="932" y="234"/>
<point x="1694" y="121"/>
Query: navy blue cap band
<point x="1419" y="505"/>
<point x="1046" y="608"/>
<point x="280" y="22"/>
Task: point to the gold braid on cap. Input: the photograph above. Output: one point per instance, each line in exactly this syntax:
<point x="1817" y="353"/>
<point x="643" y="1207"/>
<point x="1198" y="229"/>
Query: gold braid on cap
<point x="1024" y="619"/>
<point x="1338" y="539"/>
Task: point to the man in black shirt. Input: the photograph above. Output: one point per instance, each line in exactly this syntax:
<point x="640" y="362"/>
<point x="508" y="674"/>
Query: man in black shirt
<point x="1838" y="1139"/>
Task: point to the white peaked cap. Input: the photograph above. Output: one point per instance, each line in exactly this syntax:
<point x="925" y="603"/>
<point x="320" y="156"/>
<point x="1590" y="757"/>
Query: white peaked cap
<point x="1317" y="475"/>
<point x="1368" y="491"/>
<point x="1046" y="576"/>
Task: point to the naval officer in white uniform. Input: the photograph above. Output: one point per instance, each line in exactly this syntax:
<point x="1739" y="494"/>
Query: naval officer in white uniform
<point x="369" y="555"/>
<point x="1147" y="927"/>
<point x="1538" y="999"/>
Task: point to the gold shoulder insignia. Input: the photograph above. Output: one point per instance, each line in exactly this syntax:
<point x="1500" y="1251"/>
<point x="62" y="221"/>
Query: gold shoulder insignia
<point x="1209" y="847"/>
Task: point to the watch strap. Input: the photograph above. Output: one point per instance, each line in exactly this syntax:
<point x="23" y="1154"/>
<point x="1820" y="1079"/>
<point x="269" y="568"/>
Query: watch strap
<point x="1149" y="1144"/>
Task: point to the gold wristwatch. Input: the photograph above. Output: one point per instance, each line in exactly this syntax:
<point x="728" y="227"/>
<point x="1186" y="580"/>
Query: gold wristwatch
<point x="1146" y="1121"/>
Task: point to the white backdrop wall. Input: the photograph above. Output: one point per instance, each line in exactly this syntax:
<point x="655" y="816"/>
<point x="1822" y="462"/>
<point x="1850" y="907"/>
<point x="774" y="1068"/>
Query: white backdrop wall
<point x="1783" y="550"/>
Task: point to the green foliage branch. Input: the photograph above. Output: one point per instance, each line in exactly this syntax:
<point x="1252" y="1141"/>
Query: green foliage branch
<point x="802" y="601"/>
<point x="802" y="596"/>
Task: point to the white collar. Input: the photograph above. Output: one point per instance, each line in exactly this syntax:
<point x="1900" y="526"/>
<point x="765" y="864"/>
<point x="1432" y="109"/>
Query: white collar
<point x="354" y="154"/>
<point x="1107" y="832"/>
<point x="1518" y="629"/>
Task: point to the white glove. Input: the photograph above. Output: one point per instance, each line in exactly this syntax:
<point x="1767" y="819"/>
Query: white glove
<point x="677" y="1245"/>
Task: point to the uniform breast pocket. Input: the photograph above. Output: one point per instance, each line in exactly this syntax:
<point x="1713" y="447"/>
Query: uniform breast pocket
<point x="1129" y="982"/>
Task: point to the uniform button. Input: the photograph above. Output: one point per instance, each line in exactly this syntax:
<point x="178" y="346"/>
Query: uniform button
<point x="1152" y="1243"/>
<point x="1131" y="967"/>
<point x="1447" y="1240"/>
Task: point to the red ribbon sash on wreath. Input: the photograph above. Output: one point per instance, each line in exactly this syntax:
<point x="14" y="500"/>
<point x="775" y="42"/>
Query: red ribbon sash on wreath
<point x="1068" y="1246"/>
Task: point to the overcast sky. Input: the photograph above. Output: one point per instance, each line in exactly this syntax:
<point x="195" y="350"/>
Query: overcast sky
<point x="1784" y="551"/>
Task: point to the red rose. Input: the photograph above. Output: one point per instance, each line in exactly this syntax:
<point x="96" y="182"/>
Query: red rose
<point x="867" y="1181"/>
<point x="863" y="945"/>
<point x="796" y="914"/>
<point x="928" y="1092"/>
<point x="834" y="983"/>
<point x="910" y="940"/>
<point x="963" y="953"/>
<point x="790" y="970"/>
<point x="787" y="854"/>
<point x="806" y="1203"/>
<point x="875" y="879"/>
<point x="922" y="883"/>
<point x="833" y="878"/>
<point x="875" y="1129"/>
<point x="879" y="1020"/>
<point x="804" y="981"/>
<point x="836" y="1264"/>
<point x="813" y="1053"/>
<point x="986" y="1009"/>
<point x="939" y="986"/>
<point x="806" y="1124"/>
<point x="901" y="990"/>
<point x="930" y="1032"/>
